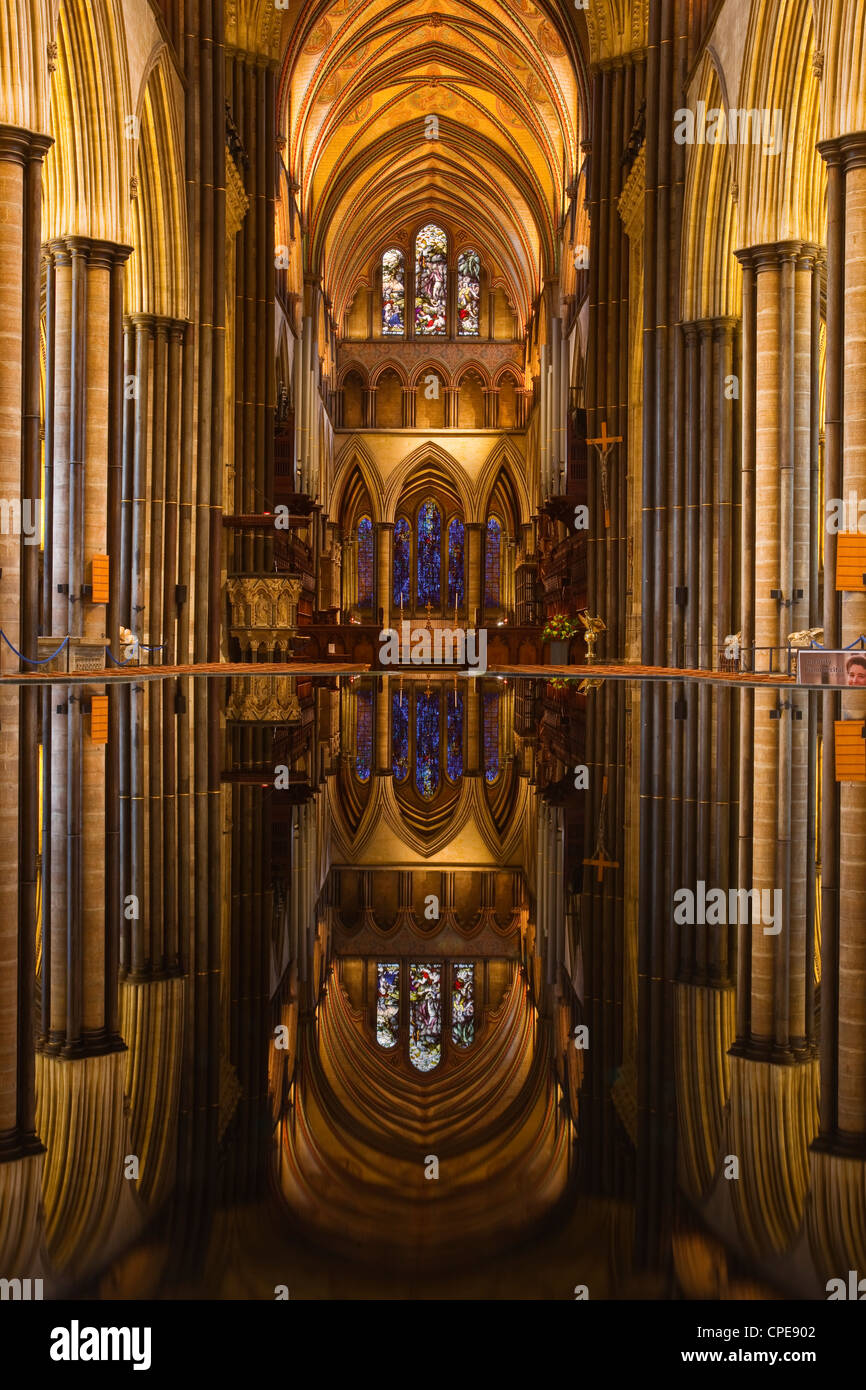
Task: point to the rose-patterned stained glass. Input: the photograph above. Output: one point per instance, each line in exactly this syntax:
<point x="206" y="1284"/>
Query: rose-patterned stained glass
<point x="400" y="735"/>
<point x="431" y="280"/>
<point x="468" y="292"/>
<point x="429" y="588"/>
<point x="425" y="1016"/>
<point x="492" y="562"/>
<point x="456" y="567"/>
<point x="463" y="1004"/>
<point x="365" y="562"/>
<point x="363" y="735"/>
<point x="387" y="1003"/>
<point x="454" y="735"/>
<point x="491" y="736"/>
<point x="427" y="743"/>
<point x="402" y="554"/>
<point x="393" y="293"/>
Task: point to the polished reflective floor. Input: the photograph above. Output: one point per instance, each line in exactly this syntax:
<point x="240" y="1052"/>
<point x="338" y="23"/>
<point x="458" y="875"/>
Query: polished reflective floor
<point x="420" y="987"/>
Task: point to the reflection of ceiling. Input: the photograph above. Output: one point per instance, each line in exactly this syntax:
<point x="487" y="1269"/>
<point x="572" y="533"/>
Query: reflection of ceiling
<point x="361" y="78"/>
<point x="354" y="1152"/>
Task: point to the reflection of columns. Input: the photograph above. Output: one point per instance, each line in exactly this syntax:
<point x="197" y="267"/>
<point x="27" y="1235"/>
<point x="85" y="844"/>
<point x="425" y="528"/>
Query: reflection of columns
<point x="780" y="317"/>
<point x="472" y="767"/>
<point x="384" y="587"/>
<point x="382" y="699"/>
<point x="845" y="943"/>
<point x="20" y="197"/>
<point x="473" y="581"/>
<point x="409" y="398"/>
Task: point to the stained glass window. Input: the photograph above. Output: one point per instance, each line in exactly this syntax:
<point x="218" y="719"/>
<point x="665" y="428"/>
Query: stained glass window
<point x="363" y="735"/>
<point x="431" y="280"/>
<point x="454" y="736"/>
<point x="468" y="291"/>
<point x="429" y="555"/>
<point x="387" y="1003"/>
<point x="491" y="736"/>
<point x="492" y="558"/>
<point x="463" y="1004"/>
<point x="400" y="735"/>
<point x="401" y="561"/>
<point x="425" y="1016"/>
<point x="427" y="743"/>
<point x="365" y="563"/>
<point x="393" y="292"/>
<point x="455" y="563"/>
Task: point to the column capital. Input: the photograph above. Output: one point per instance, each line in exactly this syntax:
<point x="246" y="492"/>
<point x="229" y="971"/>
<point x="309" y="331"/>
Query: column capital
<point x="849" y="151"/>
<point x="21" y="146"/>
<point x="383" y="525"/>
<point x="105" y="254"/>
<point x="773" y="254"/>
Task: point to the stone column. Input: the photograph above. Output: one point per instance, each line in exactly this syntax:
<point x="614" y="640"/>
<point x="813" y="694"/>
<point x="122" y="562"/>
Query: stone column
<point x="409" y="398"/>
<point x="369" y="416"/>
<point x="86" y="337"/>
<point x="21" y="154"/>
<point x="474" y="614"/>
<point x="384" y="569"/>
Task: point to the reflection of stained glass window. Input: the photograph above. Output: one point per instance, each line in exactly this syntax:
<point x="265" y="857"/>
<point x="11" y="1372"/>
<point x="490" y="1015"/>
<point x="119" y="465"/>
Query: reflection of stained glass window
<point x="387" y="1003"/>
<point x="491" y="736"/>
<point x="393" y="292"/>
<point x="400" y="735"/>
<point x="468" y="292"/>
<point x="431" y="277"/>
<point x="363" y="735"/>
<point x="454" y="736"/>
<point x="463" y="1004"/>
<point x="493" y="550"/>
<point x="427" y="742"/>
<point x="429" y="555"/>
<point x="425" y="1016"/>
<point x="365" y="563"/>
<point x="455" y="563"/>
<point x="401" y="561"/>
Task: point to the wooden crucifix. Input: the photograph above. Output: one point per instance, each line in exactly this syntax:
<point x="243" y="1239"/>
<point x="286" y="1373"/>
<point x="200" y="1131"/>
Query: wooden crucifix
<point x="599" y="860"/>
<point x="604" y="444"/>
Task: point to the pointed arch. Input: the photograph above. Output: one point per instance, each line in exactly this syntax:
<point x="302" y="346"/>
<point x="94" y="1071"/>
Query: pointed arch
<point x="711" y="283"/>
<point x="157" y="273"/>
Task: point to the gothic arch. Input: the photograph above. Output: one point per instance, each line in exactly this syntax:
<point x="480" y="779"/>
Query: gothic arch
<point x="710" y="284"/>
<point x="427" y="456"/>
<point x="157" y="271"/>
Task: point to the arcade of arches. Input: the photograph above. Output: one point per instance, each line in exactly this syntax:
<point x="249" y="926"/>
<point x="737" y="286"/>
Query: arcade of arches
<point x="313" y="319"/>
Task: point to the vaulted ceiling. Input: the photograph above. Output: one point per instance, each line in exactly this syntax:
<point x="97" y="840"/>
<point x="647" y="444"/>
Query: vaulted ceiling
<point x="503" y="79"/>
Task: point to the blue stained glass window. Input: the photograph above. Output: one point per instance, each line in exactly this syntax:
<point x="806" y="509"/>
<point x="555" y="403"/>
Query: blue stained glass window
<point x="427" y="743"/>
<point x="401" y="561"/>
<point x="455" y="563"/>
<point x="431" y="279"/>
<point x="400" y="735"/>
<point x="491" y="736"/>
<point x="429" y="555"/>
<point x="363" y="735"/>
<point x="393" y="292"/>
<point x="463" y="1004"/>
<point x="493" y="550"/>
<point x="365" y="562"/>
<point x="468" y="292"/>
<point x="387" y="1003"/>
<point x="454" y="736"/>
<point x="425" y="1016"/>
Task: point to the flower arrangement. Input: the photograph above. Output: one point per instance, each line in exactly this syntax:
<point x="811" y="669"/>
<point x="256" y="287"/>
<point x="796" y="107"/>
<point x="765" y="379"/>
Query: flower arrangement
<point x="559" y="628"/>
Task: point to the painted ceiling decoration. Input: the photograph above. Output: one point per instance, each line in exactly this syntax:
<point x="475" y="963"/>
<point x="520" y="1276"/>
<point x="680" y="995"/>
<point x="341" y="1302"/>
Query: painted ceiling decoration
<point x="397" y="113"/>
